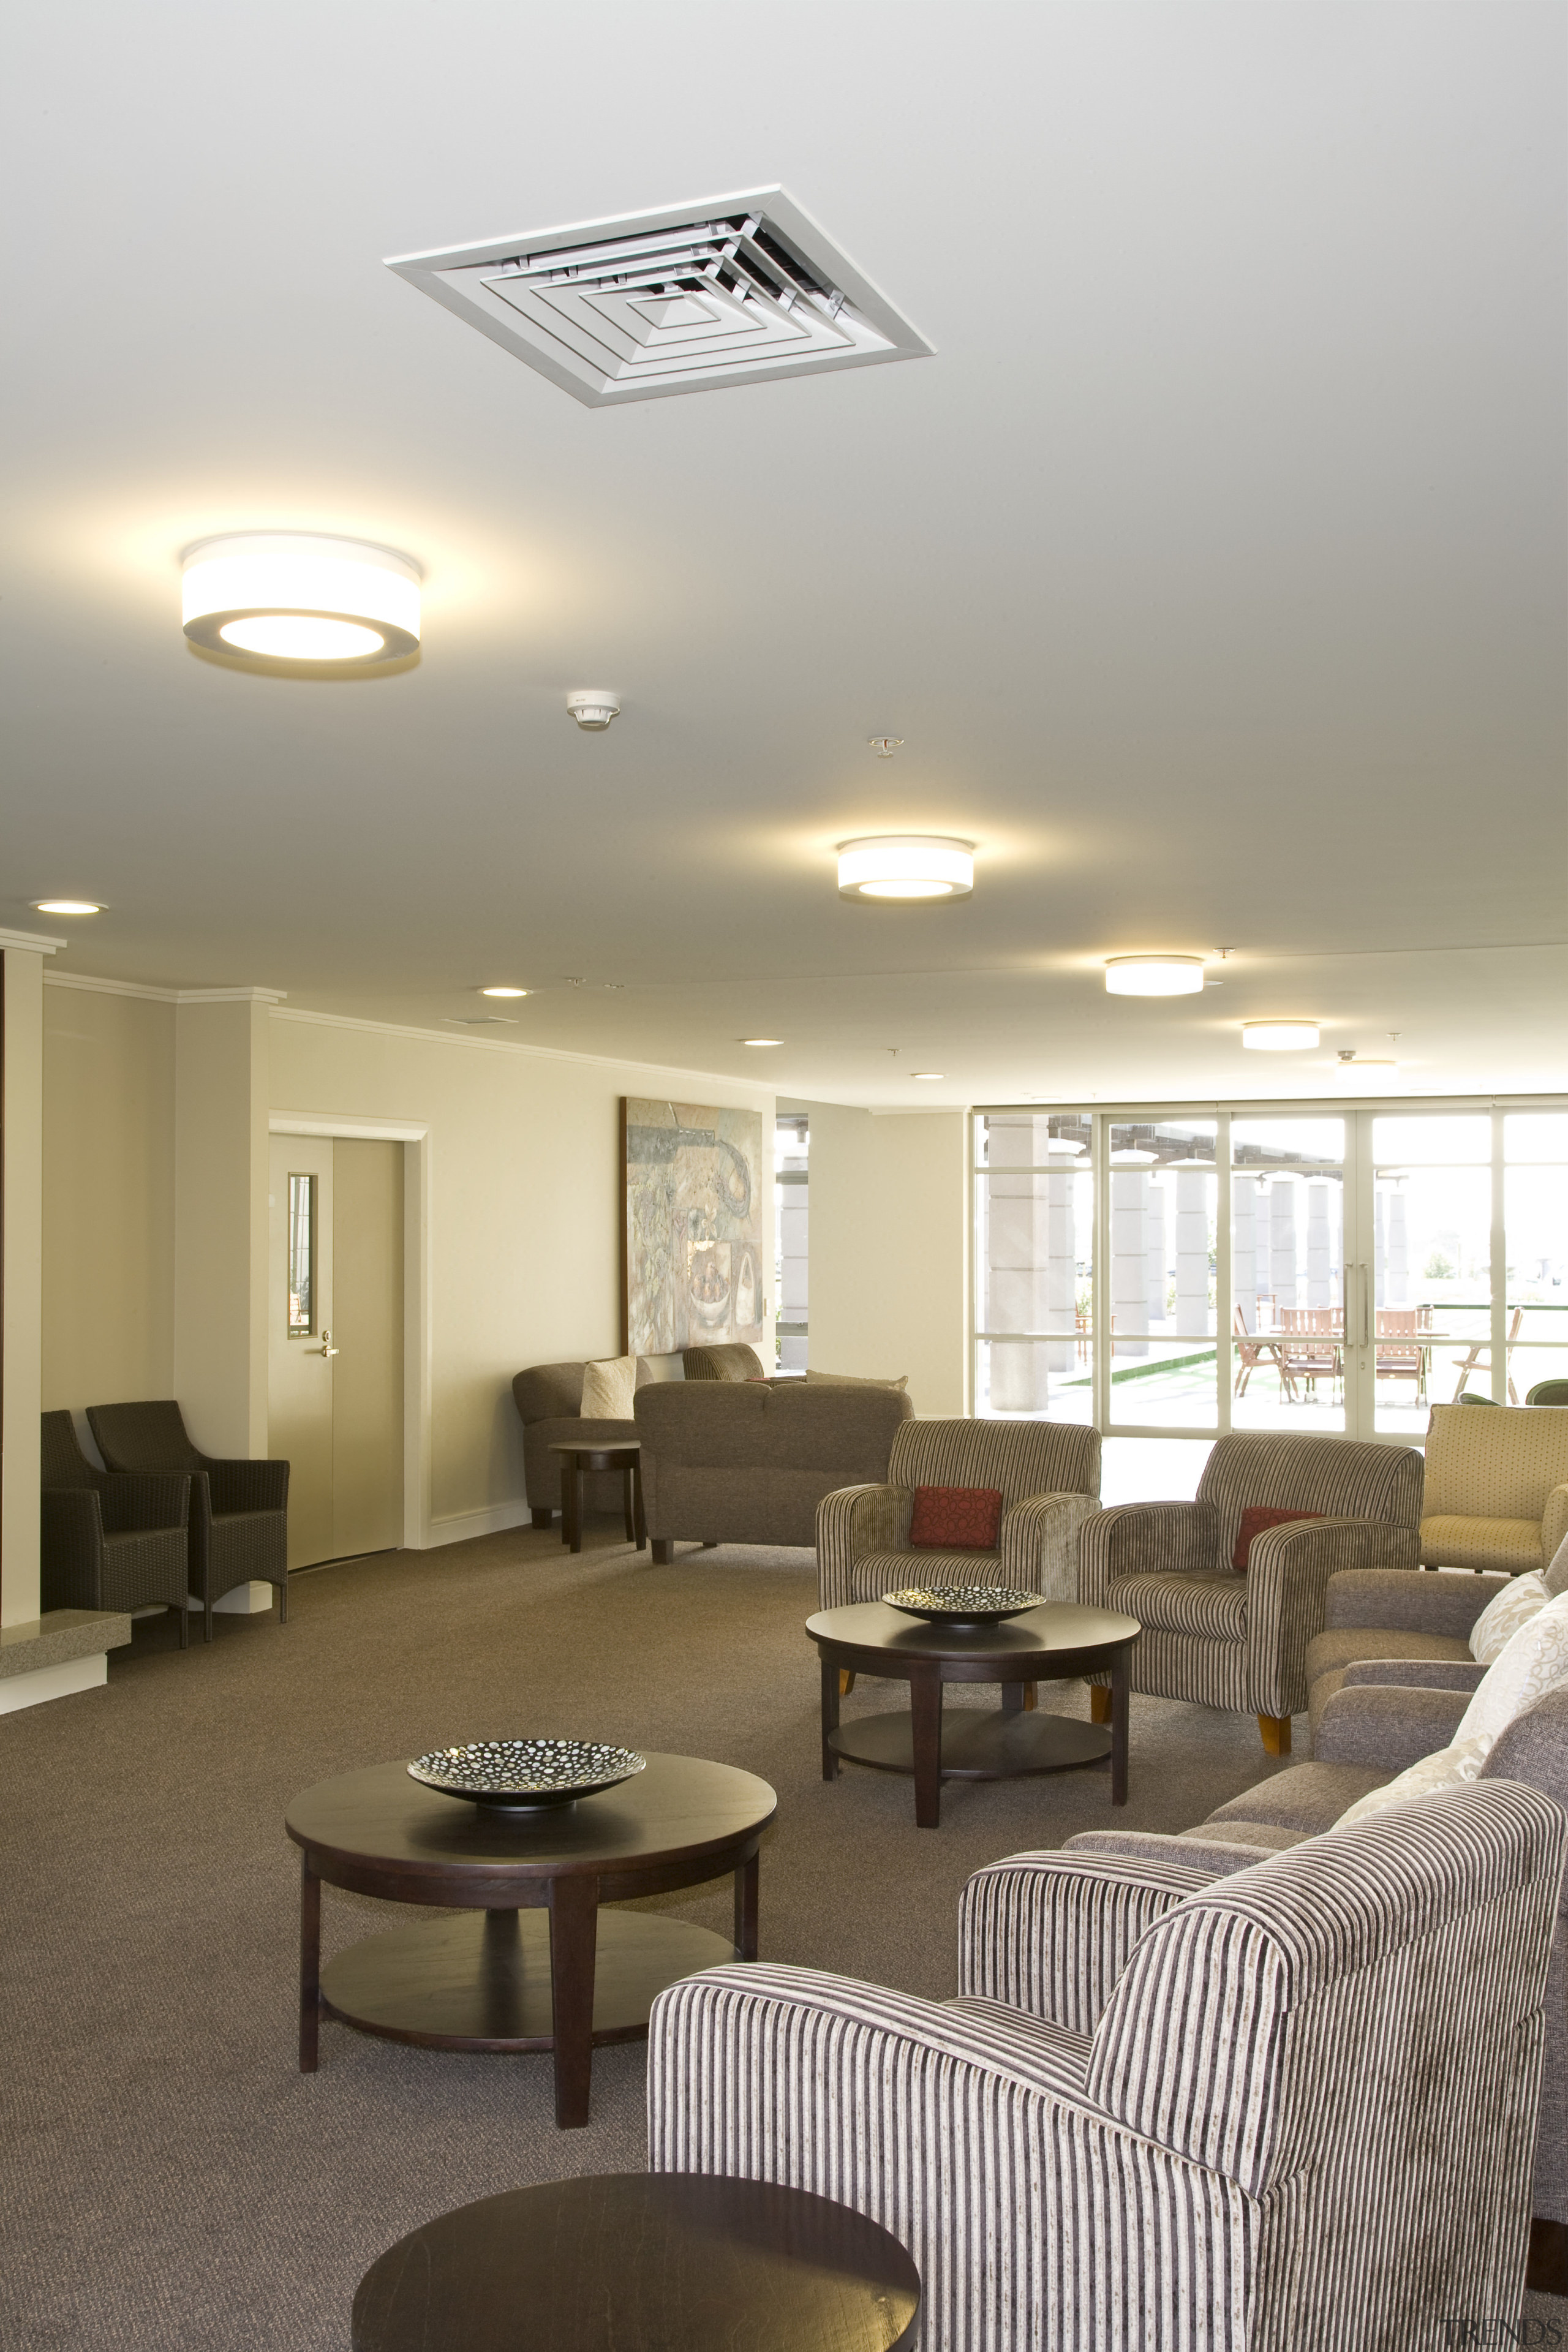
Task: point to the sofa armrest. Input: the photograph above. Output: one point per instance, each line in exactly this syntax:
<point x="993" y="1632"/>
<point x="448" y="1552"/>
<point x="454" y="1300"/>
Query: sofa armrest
<point x="851" y="1523"/>
<point x="1553" y="1522"/>
<point x="247" y="1486"/>
<point x="1387" y="1725"/>
<point x="1427" y="1603"/>
<point x="1050" y="1932"/>
<point x="1288" y="1577"/>
<point x="1215" y="1857"/>
<point x="70" y="1546"/>
<point x="134" y="1501"/>
<point x="1039" y="1543"/>
<point x="1415" y="1674"/>
<point x="1141" y="1538"/>
<point x="1535" y="1748"/>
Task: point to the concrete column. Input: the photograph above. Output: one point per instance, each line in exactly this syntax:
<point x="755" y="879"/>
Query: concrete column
<point x="1193" y="1314"/>
<point x="1129" y="1252"/>
<point x="1061" y="1259"/>
<point x="1282" y="1240"/>
<point x="1319" y="1292"/>
<point x="1016" y="1250"/>
<point x="1243" y="1276"/>
<point x="1154" y="1244"/>
<point x="1398" y="1269"/>
<point x="220" y="1218"/>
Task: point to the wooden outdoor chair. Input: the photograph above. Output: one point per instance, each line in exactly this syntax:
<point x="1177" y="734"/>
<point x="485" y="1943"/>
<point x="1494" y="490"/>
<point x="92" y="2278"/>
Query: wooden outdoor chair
<point x="1252" y="1352"/>
<point x="1477" y="1357"/>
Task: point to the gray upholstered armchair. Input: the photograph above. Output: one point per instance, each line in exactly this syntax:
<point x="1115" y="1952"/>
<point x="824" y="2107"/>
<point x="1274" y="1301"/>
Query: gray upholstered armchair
<point x="1165" y="2111"/>
<point x="1047" y="1474"/>
<point x="108" y="1543"/>
<point x="238" y="1522"/>
<point x="1240" y="1641"/>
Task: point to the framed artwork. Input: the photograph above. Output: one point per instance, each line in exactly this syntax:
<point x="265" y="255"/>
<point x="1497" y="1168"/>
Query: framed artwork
<point x="691" y="1238"/>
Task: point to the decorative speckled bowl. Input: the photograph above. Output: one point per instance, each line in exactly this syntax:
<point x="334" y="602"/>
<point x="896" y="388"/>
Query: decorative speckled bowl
<point x="973" y="1604"/>
<point x="525" y="1772"/>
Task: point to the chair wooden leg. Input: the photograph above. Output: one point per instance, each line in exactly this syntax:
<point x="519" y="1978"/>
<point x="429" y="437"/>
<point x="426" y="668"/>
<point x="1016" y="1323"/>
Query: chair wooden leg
<point x="663" y="1551"/>
<point x="846" y="1681"/>
<point x="1548" y="2270"/>
<point x="1275" y="1731"/>
<point x="541" y="1515"/>
<point x="1031" y="1697"/>
<point x="1100" y="1703"/>
<point x="283" y="1598"/>
<point x="185" y="1617"/>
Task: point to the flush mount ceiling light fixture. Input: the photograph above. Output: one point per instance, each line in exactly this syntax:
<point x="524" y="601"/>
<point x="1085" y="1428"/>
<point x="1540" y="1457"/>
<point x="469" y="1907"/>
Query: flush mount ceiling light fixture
<point x="761" y="1041"/>
<point x="506" y="992"/>
<point x="298" y="597"/>
<point x="68" y="905"/>
<point x="1279" y="1036"/>
<point x="928" y="1075"/>
<point x="906" y="865"/>
<point x="731" y="290"/>
<point x="1154" y="975"/>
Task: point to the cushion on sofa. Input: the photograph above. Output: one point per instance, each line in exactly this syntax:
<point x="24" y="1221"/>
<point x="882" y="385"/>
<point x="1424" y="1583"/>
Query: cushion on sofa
<point x="1330" y="1653"/>
<point x="956" y="1518"/>
<point x="1306" y="1796"/>
<point x="1533" y="1662"/>
<point x="1452" y="1541"/>
<point x="1501" y="1618"/>
<point x="1254" y="1521"/>
<point x="1450" y="1768"/>
<point x="609" y="1388"/>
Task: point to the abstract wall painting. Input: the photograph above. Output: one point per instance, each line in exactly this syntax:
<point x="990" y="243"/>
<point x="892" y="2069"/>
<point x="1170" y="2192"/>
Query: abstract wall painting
<point x="693" y="1235"/>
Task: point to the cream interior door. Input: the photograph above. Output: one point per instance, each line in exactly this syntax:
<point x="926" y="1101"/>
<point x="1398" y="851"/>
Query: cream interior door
<point x="336" y="1351"/>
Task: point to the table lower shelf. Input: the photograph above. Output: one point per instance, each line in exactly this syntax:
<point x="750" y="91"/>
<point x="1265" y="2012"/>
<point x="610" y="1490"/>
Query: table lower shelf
<point x="976" y="1745"/>
<point x="480" y="1980"/>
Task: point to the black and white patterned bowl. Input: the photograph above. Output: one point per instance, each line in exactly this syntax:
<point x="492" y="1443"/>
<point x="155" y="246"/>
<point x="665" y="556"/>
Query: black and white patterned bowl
<point x="974" y="1604"/>
<point x="526" y="1771"/>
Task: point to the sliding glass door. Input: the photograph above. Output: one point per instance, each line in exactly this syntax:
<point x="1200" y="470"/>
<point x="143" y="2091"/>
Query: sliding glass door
<point x="1163" y="1272"/>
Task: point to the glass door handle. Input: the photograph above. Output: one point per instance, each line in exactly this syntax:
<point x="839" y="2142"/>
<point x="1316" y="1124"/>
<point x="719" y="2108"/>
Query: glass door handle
<point x="324" y="1350"/>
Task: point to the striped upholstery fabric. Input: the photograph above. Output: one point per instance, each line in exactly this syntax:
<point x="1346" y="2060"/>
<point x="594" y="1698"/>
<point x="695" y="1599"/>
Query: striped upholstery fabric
<point x="1508" y="1480"/>
<point x="1294" y="2068"/>
<point x="1050" y="1934"/>
<point x="1048" y="1478"/>
<point x="1248" y="1650"/>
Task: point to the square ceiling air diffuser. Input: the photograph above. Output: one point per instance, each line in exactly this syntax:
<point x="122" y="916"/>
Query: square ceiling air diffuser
<point x="738" y="289"/>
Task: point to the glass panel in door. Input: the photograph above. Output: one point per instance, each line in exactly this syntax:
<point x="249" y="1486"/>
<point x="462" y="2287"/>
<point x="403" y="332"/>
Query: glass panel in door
<point x="1535" y="1191"/>
<point x="1431" y="1264"/>
<point x="1033" y="1255"/>
<point x="1287" y="1254"/>
<point x="1163" y="1201"/>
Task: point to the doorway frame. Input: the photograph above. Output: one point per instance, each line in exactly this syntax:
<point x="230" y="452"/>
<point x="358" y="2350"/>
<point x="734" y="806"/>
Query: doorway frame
<point x="415" y="1136"/>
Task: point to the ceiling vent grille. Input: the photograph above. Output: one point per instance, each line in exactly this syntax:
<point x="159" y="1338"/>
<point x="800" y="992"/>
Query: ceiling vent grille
<point x="739" y="289"/>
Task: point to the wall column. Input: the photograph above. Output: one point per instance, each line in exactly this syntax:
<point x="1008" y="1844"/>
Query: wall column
<point x="21" y="1371"/>
<point x="220" y="1218"/>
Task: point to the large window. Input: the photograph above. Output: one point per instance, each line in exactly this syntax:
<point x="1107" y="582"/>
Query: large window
<point x="1320" y="1267"/>
<point x="792" y="1199"/>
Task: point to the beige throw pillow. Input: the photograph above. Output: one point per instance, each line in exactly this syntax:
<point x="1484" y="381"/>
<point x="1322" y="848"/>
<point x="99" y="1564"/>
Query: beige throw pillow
<point x="1450" y="1768"/>
<point x="1520" y="1600"/>
<point x="853" y="1381"/>
<point x="609" y="1388"/>
<point x="1533" y="1662"/>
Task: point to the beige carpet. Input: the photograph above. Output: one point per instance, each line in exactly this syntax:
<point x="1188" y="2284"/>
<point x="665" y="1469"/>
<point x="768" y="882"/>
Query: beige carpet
<point x="172" y="2180"/>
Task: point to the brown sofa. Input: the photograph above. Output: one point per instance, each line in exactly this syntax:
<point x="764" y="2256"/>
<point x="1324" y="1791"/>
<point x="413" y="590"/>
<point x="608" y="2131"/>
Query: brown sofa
<point x="548" y="1400"/>
<point x="750" y="1462"/>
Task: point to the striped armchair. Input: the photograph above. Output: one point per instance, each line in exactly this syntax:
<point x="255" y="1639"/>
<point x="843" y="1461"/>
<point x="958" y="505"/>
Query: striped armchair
<point x="1048" y="1477"/>
<point x="1165" y="2111"/>
<point x="1240" y="1641"/>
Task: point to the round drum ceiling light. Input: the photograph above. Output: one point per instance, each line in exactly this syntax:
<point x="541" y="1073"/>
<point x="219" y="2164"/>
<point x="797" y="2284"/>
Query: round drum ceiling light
<point x="291" y="597"/>
<point x="68" y="905"/>
<point x="1154" y="975"/>
<point x="506" y="992"/>
<point x="1279" y="1036"/>
<point x="906" y="865"/>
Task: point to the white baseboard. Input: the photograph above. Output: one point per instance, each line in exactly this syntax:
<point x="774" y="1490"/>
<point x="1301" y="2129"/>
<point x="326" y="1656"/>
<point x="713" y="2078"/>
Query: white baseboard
<point x="53" y="1682"/>
<point x="460" y="1525"/>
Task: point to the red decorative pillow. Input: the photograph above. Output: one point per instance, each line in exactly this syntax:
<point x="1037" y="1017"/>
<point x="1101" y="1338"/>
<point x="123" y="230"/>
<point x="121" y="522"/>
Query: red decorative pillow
<point x="1254" y="1520"/>
<point x="956" y="1518"/>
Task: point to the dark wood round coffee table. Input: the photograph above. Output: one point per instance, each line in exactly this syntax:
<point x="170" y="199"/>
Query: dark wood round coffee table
<point x="1044" y="1645"/>
<point x="576" y="1462"/>
<point x="562" y="1978"/>
<point x="642" y="2261"/>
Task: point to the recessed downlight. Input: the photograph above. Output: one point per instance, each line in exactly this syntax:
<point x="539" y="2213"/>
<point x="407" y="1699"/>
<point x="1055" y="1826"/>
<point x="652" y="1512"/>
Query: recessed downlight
<point x="906" y="865"/>
<point x="928" y="1075"/>
<point x="1154" y="975"/>
<point x="1279" y="1036"/>
<point x="68" y="905"/>
<point x="293" y="596"/>
<point x="506" y="992"/>
<point x="761" y="1041"/>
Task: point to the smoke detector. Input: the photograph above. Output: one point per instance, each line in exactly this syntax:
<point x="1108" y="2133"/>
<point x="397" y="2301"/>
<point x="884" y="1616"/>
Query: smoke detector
<point x="594" y="706"/>
<point x="732" y="289"/>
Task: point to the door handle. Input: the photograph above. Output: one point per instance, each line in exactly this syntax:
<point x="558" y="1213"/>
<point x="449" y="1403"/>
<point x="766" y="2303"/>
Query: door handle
<point x="324" y="1350"/>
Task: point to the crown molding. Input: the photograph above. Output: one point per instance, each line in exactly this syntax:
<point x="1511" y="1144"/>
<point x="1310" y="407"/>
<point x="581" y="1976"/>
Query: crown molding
<point x="39" y="942"/>
<point x="100" y="987"/>
<point x="750" y="1087"/>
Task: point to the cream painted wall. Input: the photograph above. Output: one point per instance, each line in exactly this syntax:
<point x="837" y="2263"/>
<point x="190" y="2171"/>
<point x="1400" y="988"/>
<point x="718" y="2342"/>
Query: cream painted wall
<point x="888" y="1250"/>
<point x="22" y="1064"/>
<point x="220" y="1222"/>
<point x="525" y="1202"/>
<point x="109" y="1197"/>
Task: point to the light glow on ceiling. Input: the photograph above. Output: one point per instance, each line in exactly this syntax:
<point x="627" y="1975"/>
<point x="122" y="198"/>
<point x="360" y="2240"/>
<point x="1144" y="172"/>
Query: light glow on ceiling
<point x="68" y="905"/>
<point x="1154" y="975"/>
<point x="292" y="597"/>
<point x="1279" y="1036"/>
<point x="506" y="992"/>
<point x="761" y="1041"/>
<point x="906" y="865"/>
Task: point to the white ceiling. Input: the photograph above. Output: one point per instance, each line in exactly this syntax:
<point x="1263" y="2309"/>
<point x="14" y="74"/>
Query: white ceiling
<point x="1213" y="570"/>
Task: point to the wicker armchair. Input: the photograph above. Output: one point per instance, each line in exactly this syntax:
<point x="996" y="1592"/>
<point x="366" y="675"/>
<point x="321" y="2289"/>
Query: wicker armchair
<point x="238" y="1522"/>
<point x="108" y="1542"/>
